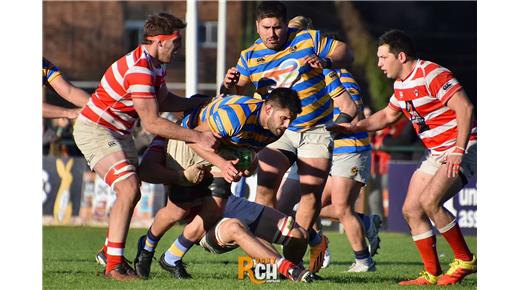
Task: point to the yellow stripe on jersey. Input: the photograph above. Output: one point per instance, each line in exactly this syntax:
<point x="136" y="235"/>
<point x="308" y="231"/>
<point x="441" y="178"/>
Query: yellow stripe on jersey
<point x="268" y="69"/>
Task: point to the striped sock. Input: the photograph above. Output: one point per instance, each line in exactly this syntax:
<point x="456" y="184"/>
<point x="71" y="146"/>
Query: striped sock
<point x="427" y="245"/>
<point x="314" y="238"/>
<point x="362" y="257"/>
<point x="115" y="253"/>
<point x="283" y="266"/>
<point x="151" y="241"/>
<point x="177" y="250"/>
<point x="453" y="235"/>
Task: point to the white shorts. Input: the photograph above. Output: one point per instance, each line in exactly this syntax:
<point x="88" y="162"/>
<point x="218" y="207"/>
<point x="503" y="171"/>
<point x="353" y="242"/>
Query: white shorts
<point x="97" y="142"/>
<point x="468" y="167"/>
<point x="352" y="165"/>
<point x="313" y="143"/>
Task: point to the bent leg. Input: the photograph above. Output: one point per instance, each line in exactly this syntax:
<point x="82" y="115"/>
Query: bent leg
<point x="313" y="175"/>
<point x="272" y="164"/>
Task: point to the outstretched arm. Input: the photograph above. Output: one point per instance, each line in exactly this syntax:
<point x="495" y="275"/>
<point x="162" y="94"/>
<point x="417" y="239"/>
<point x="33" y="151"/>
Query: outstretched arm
<point x="377" y="121"/>
<point x="69" y="92"/>
<point x="52" y="111"/>
<point x="147" y="109"/>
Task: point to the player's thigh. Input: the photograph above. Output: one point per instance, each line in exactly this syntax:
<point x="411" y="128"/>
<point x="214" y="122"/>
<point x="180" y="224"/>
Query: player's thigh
<point x="345" y="192"/>
<point x="313" y="171"/>
<point x="326" y="197"/>
<point x="416" y="187"/>
<point x="103" y="148"/>
<point x="270" y="222"/>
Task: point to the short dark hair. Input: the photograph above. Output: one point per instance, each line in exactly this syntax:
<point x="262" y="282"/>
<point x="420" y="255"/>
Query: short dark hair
<point x="161" y="23"/>
<point x="398" y="41"/>
<point x="268" y="9"/>
<point x="285" y="98"/>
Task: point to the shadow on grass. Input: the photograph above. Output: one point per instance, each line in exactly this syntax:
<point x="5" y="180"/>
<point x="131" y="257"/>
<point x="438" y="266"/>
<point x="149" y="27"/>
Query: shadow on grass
<point x="395" y="263"/>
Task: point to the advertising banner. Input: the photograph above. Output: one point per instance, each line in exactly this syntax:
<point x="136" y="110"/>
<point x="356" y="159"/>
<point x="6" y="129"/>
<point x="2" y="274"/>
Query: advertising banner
<point x="62" y="183"/>
<point x="463" y="205"/>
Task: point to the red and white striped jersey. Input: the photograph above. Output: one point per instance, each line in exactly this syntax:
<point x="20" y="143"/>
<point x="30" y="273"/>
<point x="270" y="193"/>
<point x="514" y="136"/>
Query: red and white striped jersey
<point x="422" y="97"/>
<point x="130" y="77"/>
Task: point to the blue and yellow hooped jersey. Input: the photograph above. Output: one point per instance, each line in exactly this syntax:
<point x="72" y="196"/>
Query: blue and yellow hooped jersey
<point x="49" y="72"/>
<point x="358" y="142"/>
<point x="236" y="118"/>
<point x="268" y="69"/>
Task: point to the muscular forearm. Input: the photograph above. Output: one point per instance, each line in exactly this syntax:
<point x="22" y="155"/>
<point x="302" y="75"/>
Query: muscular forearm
<point x="50" y="111"/>
<point x="211" y="157"/>
<point x="169" y="130"/>
<point x="464" y="119"/>
<point x="377" y="121"/>
<point x="78" y="97"/>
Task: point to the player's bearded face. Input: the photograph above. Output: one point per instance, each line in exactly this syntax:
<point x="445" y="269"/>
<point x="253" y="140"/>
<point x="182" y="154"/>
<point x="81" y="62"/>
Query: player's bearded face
<point x="272" y="32"/>
<point x="279" y="121"/>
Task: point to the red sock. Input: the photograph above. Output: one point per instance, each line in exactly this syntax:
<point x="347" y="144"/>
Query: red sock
<point x="114" y="255"/>
<point x="457" y="243"/>
<point x="428" y="249"/>
<point x="283" y="267"/>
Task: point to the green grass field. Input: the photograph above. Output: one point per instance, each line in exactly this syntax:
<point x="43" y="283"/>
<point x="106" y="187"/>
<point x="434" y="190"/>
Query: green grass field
<point x="68" y="263"/>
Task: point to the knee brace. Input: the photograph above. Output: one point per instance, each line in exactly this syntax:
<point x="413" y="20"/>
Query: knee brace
<point x="119" y="171"/>
<point x="219" y="187"/>
<point x="283" y="233"/>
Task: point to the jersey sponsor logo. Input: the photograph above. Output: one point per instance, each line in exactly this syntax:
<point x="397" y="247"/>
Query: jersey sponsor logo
<point x="447" y="86"/>
<point x="354" y="170"/>
<point x="111" y="143"/>
<point x="284" y="76"/>
<point x="218" y="121"/>
<point x="415" y="117"/>
<point x="333" y="74"/>
<point x="260" y="60"/>
<point x="294" y="48"/>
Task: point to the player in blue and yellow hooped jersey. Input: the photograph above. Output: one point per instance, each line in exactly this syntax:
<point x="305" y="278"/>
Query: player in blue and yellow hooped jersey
<point x="349" y="172"/>
<point x="53" y="79"/>
<point x="243" y="123"/>
<point x="284" y="57"/>
<point x="348" y="157"/>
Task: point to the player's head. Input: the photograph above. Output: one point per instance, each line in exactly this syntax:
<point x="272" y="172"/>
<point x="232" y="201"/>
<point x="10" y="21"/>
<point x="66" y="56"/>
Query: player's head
<point x="394" y="49"/>
<point x="282" y="106"/>
<point x="301" y="23"/>
<point x="271" y="24"/>
<point x="163" y="30"/>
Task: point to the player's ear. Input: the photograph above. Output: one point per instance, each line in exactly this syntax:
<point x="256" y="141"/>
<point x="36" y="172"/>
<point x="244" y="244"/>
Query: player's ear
<point x="402" y="57"/>
<point x="268" y="109"/>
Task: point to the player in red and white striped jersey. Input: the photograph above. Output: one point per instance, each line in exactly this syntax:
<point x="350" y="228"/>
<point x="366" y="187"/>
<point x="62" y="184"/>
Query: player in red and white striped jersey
<point x="434" y="101"/>
<point x="132" y="88"/>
